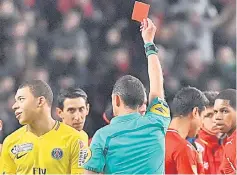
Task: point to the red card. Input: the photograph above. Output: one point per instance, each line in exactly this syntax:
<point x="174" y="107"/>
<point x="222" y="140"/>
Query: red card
<point x="140" y="11"/>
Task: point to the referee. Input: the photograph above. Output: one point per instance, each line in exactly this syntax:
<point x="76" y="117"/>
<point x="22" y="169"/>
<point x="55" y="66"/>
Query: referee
<point x="132" y="143"/>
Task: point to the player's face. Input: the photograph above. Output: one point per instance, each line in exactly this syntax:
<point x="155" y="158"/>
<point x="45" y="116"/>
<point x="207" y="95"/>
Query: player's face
<point x="208" y="121"/>
<point x="25" y="106"/>
<point x="224" y="116"/>
<point x="74" y="112"/>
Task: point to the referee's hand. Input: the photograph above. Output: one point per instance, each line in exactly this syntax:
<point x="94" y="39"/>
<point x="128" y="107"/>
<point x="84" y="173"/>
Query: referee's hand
<point x="148" y="30"/>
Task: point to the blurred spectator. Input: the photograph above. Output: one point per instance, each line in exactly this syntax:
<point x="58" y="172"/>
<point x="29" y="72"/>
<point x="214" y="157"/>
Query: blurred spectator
<point x="214" y="84"/>
<point x="226" y="61"/>
<point x="7" y="85"/>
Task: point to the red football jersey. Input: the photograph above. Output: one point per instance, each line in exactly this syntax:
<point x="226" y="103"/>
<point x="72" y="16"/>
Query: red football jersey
<point x="228" y="165"/>
<point x="180" y="155"/>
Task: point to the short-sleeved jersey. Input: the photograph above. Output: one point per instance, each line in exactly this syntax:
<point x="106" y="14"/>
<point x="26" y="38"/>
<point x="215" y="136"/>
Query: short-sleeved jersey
<point x="132" y="144"/>
<point x="180" y="155"/>
<point x="228" y="165"/>
<point x="60" y="151"/>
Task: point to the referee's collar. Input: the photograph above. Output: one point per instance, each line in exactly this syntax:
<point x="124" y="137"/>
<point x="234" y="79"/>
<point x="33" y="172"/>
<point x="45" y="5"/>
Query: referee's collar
<point x="124" y="118"/>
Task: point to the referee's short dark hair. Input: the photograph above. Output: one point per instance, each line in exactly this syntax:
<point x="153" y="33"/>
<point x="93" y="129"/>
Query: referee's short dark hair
<point x="211" y="96"/>
<point x="186" y="99"/>
<point x="70" y="93"/>
<point x="39" y="88"/>
<point x="228" y="94"/>
<point x="131" y="90"/>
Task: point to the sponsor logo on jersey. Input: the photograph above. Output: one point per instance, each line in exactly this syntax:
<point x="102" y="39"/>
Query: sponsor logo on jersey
<point x="21" y="150"/>
<point x="229" y="142"/>
<point x="57" y="153"/>
<point x="84" y="156"/>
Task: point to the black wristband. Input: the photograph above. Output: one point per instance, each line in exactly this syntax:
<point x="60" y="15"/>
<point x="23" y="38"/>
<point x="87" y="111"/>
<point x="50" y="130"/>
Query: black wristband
<point x="150" y="48"/>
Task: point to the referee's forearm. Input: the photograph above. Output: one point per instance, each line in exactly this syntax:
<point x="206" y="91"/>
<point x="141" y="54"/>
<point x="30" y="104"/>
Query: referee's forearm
<point x="156" y="77"/>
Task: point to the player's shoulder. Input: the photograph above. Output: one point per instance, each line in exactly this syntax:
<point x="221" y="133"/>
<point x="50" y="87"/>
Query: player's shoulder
<point x="69" y="133"/>
<point x="16" y="135"/>
<point x="103" y="133"/>
<point x="67" y="130"/>
<point x="83" y="134"/>
<point x="174" y="141"/>
<point x="172" y="135"/>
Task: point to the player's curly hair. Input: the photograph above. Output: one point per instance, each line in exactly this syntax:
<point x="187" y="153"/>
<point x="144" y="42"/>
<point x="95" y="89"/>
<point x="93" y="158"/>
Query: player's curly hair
<point x="228" y="94"/>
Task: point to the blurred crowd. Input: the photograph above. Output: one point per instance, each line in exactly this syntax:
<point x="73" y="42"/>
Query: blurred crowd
<point x="90" y="43"/>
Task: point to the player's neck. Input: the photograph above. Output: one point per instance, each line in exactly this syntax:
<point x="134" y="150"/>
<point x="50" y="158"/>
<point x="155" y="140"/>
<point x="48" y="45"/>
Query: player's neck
<point x="126" y="111"/>
<point x="41" y="126"/>
<point x="181" y="125"/>
<point x="231" y="131"/>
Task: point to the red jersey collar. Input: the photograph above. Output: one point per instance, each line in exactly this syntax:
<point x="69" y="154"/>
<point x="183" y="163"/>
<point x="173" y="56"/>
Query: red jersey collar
<point x="208" y="139"/>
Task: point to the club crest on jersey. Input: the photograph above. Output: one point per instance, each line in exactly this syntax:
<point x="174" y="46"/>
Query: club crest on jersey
<point x="57" y="153"/>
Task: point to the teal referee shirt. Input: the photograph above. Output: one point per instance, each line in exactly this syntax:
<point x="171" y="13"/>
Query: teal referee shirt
<point x="132" y="144"/>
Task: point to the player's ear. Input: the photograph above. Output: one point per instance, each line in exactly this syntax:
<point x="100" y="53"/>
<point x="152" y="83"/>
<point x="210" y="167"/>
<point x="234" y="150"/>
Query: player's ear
<point x="195" y="112"/>
<point x="88" y="108"/>
<point x="59" y="112"/>
<point x="118" y="100"/>
<point x="41" y="101"/>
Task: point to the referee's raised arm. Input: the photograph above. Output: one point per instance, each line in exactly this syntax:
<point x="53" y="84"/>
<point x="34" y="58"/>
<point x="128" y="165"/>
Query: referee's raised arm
<point x="148" y="30"/>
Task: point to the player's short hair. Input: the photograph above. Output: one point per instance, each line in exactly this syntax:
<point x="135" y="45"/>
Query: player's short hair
<point x="186" y="99"/>
<point x="39" y="88"/>
<point x="211" y="96"/>
<point x="131" y="90"/>
<point x="228" y="94"/>
<point x="70" y="93"/>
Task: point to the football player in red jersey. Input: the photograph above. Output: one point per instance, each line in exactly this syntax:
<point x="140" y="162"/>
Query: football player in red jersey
<point x="225" y="120"/>
<point x="210" y="140"/>
<point x="180" y="156"/>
